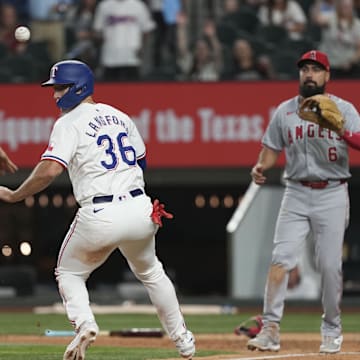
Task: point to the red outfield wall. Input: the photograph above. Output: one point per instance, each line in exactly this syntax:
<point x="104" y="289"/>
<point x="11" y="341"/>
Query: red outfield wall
<point x="183" y="124"/>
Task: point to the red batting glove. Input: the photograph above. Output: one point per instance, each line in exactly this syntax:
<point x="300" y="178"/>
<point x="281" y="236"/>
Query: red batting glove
<point x="158" y="212"/>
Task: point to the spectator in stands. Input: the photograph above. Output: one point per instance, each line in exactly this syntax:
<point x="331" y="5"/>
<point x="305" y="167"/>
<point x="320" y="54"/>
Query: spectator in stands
<point x="341" y="40"/>
<point x="246" y="65"/>
<point x="165" y="13"/>
<point x="123" y="27"/>
<point x="80" y="35"/>
<point x="22" y="9"/>
<point x="47" y="24"/>
<point x="357" y="7"/>
<point x="231" y="7"/>
<point x="17" y="63"/>
<point x="286" y="13"/>
<point x="321" y="12"/>
<point x="204" y="62"/>
<point x="8" y="24"/>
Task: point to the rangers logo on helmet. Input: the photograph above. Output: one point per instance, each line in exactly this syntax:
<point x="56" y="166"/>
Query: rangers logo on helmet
<point x="78" y="76"/>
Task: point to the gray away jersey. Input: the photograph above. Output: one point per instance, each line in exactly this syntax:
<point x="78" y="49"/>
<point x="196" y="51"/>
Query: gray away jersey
<point x="312" y="153"/>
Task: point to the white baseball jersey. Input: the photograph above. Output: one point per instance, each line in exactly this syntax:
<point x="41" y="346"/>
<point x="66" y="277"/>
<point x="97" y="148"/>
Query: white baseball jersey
<point x="122" y="24"/>
<point x="312" y="153"/>
<point x="99" y="145"/>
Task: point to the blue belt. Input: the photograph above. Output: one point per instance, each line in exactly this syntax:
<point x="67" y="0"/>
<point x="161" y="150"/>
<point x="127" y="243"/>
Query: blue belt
<point x="110" y="198"/>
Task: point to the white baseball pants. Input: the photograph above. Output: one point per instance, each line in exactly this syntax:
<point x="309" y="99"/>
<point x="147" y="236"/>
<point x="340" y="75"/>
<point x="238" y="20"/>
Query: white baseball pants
<point x="96" y="231"/>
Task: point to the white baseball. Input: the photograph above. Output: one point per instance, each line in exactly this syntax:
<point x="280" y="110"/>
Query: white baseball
<point x="22" y="33"/>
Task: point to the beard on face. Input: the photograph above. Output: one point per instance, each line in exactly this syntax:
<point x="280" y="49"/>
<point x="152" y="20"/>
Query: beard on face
<point x="306" y="91"/>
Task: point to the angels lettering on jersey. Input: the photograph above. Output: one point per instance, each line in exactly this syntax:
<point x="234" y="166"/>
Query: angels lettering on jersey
<point x="299" y="132"/>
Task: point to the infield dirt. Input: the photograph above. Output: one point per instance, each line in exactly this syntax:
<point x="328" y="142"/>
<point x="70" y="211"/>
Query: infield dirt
<point x="294" y="346"/>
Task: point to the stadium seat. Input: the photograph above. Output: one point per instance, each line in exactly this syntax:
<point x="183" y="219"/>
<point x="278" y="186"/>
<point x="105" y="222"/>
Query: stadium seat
<point x="261" y="47"/>
<point x="284" y="64"/>
<point x="243" y="20"/>
<point x="39" y="52"/>
<point x="3" y="51"/>
<point x="298" y="46"/>
<point x="313" y="33"/>
<point x="227" y="33"/>
<point x="20" y="67"/>
<point x="272" y="34"/>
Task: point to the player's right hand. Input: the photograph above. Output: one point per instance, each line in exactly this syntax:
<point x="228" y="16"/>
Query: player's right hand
<point x="257" y="174"/>
<point x="6" y="165"/>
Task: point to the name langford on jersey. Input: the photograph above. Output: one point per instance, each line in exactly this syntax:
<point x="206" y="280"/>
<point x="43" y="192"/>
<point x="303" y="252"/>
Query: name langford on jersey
<point x="106" y="120"/>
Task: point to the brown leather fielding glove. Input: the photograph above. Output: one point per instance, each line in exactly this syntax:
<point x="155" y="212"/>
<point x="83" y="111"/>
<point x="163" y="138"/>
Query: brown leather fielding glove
<point x="321" y="110"/>
<point x="250" y="327"/>
<point x="158" y="212"/>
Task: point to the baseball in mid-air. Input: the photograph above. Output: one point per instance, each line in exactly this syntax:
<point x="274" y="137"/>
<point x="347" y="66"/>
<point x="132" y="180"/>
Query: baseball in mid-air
<point x="22" y="33"/>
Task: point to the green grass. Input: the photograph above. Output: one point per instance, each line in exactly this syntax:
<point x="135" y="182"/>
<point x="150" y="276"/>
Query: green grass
<point x="51" y="352"/>
<point x="35" y="324"/>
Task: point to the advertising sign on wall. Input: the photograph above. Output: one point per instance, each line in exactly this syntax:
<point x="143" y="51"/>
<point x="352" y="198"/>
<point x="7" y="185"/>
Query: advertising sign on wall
<point x="183" y="124"/>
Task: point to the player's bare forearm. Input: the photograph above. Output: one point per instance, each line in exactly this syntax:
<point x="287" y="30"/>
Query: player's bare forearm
<point x="40" y="178"/>
<point x="267" y="159"/>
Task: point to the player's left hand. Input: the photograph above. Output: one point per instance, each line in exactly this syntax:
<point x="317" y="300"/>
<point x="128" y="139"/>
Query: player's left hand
<point x="158" y="212"/>
<point x="322" y="110"/>
<point x="6" y="194"/>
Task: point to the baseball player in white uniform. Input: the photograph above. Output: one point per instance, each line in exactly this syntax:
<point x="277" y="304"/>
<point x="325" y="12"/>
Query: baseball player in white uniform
<point x="104" y="154"/>
<point x="315" y="199"/>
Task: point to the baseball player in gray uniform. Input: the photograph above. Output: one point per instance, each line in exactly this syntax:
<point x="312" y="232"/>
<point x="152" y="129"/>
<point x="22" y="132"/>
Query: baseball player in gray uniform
<point x="315" y="200"/>
<point x="104" y="154"/>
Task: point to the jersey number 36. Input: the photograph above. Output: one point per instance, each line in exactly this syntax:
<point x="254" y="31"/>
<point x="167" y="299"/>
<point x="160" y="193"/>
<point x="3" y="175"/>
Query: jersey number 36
<point x="127" y="152"/>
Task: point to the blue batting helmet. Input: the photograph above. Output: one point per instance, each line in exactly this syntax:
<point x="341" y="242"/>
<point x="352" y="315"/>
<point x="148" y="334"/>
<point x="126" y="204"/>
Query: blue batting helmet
<point x="77" y="75"/>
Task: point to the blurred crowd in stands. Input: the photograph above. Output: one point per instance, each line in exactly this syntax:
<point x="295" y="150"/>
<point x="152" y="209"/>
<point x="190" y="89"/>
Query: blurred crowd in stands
<point x="182" y="40"/>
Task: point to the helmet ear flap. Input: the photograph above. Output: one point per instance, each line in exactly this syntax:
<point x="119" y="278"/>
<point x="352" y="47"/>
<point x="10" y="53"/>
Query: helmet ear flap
<point x="72" y="72"/>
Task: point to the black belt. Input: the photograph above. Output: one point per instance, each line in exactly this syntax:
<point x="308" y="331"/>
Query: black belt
<point x="110" y="198"/>
<point x="320" y="184"/>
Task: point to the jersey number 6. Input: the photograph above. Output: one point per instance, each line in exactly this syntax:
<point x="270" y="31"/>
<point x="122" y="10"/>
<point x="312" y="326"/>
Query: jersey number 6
<point x="332" y="154"/>
<point x="127" y="152"/>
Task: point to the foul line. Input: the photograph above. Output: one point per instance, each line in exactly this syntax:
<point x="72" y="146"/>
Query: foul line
<point x="292" y="355"/>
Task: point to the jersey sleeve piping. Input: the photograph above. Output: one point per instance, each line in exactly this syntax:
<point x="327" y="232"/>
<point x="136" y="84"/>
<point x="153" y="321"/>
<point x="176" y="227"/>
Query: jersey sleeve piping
<point x="141" y="156"/>
<point x="271" y="147"/>
<point x="55" y="158"/>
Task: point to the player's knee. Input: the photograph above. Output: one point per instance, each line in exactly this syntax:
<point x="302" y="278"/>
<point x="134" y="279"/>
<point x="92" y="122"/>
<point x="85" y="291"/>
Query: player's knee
<point x="153" y="273"/>
<point x="287" y="261"/>
<point x="328" y="266"/>
<point x="64" y="277"/>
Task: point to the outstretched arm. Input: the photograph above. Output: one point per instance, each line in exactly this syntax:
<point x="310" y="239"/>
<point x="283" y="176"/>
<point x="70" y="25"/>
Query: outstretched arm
<point x="352" y="139"/>
<point x="267" y="159"/>
<point x="6" y="165"/>
<point x="40" y="178"/>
